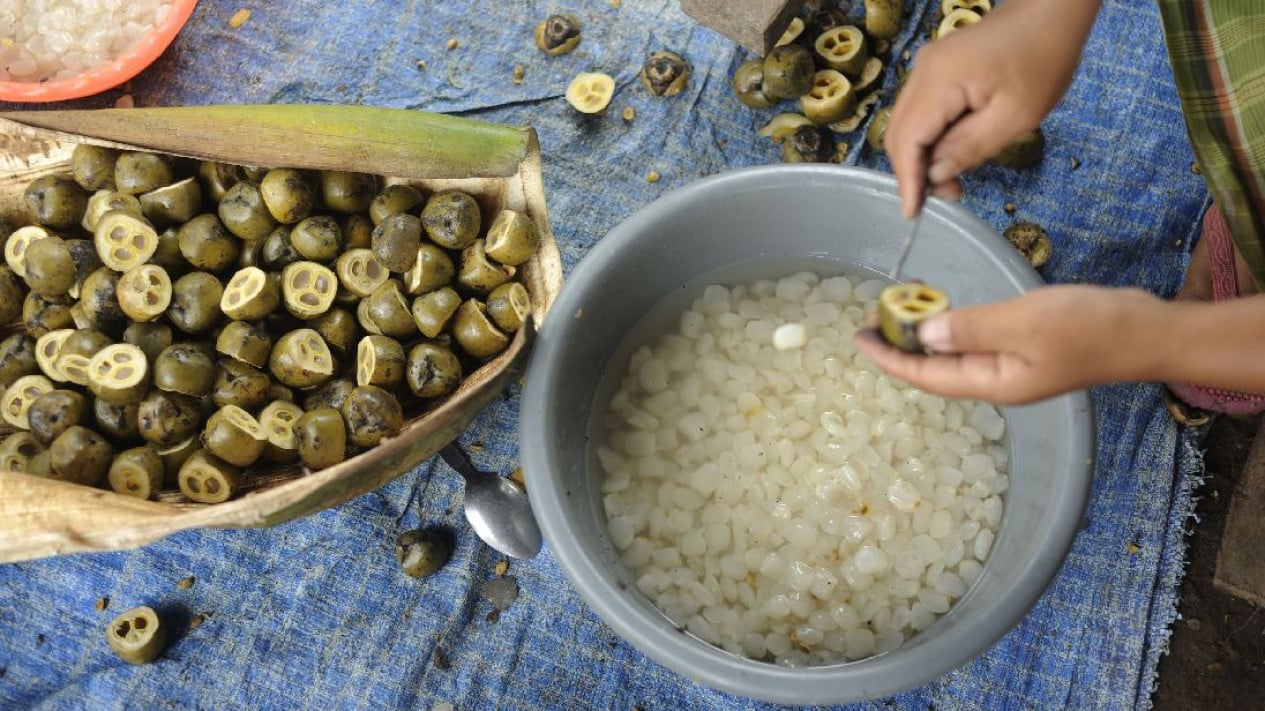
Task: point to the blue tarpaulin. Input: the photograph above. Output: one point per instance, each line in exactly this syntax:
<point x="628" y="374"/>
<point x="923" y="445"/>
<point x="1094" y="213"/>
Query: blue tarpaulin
<point x="315" y="613"/>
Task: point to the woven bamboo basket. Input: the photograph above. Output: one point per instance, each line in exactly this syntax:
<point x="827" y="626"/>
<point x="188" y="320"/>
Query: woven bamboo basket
<point x="499" y="165"/>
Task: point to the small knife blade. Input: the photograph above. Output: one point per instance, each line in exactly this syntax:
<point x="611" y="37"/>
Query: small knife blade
<point x="907" y="248"/>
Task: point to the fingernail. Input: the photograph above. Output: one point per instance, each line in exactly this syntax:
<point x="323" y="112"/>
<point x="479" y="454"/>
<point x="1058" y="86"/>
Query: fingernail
<point x="934" y="334"/>
<point x="942" y="171"/>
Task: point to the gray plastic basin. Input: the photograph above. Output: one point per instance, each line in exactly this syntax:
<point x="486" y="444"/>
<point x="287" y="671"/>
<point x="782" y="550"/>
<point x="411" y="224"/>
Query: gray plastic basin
<point x="834" y="220"/>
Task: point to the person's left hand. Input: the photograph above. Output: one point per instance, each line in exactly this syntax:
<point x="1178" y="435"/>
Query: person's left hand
<point x="1046" y="342"/>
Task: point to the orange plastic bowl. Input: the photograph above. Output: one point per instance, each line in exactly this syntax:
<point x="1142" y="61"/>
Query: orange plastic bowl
<point x="110" y="74"/>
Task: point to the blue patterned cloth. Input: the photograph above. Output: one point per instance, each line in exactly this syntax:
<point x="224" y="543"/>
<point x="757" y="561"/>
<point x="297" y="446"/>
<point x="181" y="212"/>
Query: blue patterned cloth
<point x="315" y="614"/>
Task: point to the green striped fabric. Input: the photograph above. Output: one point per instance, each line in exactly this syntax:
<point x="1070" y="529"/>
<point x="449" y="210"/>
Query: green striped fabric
<point x="1217" y="48"/>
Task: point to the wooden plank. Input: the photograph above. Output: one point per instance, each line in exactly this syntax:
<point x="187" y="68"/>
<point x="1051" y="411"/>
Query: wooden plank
<point x="754" y="24"/>
<point x="1240" y="565"/>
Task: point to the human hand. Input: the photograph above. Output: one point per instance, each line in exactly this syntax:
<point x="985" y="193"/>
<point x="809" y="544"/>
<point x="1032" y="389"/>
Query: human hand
<point x="1046" y="342"/>
<point x="974" y="91"/>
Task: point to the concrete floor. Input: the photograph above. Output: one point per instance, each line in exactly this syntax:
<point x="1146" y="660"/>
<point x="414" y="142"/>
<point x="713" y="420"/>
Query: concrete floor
<point x="1217" y="655"/>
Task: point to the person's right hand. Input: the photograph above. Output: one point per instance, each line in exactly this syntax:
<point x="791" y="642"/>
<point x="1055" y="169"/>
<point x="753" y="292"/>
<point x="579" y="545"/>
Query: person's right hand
<point x="974" y="91"/>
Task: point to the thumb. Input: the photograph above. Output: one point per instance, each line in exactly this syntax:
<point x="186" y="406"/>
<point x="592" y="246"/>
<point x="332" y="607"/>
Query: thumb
<point x="974" y="139"/>
<point x="974" y="329"/>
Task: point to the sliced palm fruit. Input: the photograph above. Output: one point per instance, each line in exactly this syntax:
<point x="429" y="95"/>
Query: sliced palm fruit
<point x="475" y="332"/>
<point x="830" y="99"/>
<point x="278" y="420"/>
<point x="665" y="74"/>
<point x="512" y="238"/>
<point x="780" y="127"/>
<point x="119" y="374"/>
<point x="207" y="479"/>
<point x="389" y="311"/>
<point x="903" y="307"/>
<point x="80" y="456"/>
<point x="955" y="21"/>
<point x="301" y="359"/>
<point x="843" y="49"/>
<point x="509" y="305"/>
<point x="981" y="7"/>
<point x="137" y="636"/>
<point x="339" y="329"/>
<point x="176" y="455"/>
<point x="136" y="472"/>
<point x="17" y="450"/>
<point x="308" y="288"/>
<point x="18" y="397"/>
<point x="558" y="34"/>
<point x="124" y="240"/>
<point x="433" y="311"/>
<point x="786" y="72"/>
<point x="144" y="292"/>
<point x="478" y="273"/>
<point x="433" y="370"/>
<point x="361" y="272"/>
<point x="250" y="295"/>
<point x="882" y="18"/>
<point x="365" y="321"/>
<point x="246" y="342"/>
<point x="748" y="85"/>
<point x="48" y="350"/>
<point x="16" y="245"/>
<point x="590" y="92"/>
<point x="74" y="367"/>
<point x="432" y="270"/>
<point x="792" y="32"/>
<point x="103" y="201"/>
<point x="379" y="361"/>
<point x="287" y="194"/>
<point x="172" y="204"/>
<point x="234" y="435"/>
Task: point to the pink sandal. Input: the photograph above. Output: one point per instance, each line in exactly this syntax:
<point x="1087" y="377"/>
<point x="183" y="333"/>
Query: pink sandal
<point x="1180" y="398"/>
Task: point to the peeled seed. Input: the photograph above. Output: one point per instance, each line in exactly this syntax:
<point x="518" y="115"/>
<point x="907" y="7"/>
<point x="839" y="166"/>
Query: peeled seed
<point x="590" y="92"/>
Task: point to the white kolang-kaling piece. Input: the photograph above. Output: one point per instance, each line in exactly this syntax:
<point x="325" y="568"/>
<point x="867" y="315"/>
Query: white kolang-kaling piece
<point x="59" y="39"/>
<point x="781" y="497"/>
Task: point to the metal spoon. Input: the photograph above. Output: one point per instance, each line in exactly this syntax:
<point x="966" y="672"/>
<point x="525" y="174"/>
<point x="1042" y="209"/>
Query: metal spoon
<point x="496" y="507"/>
